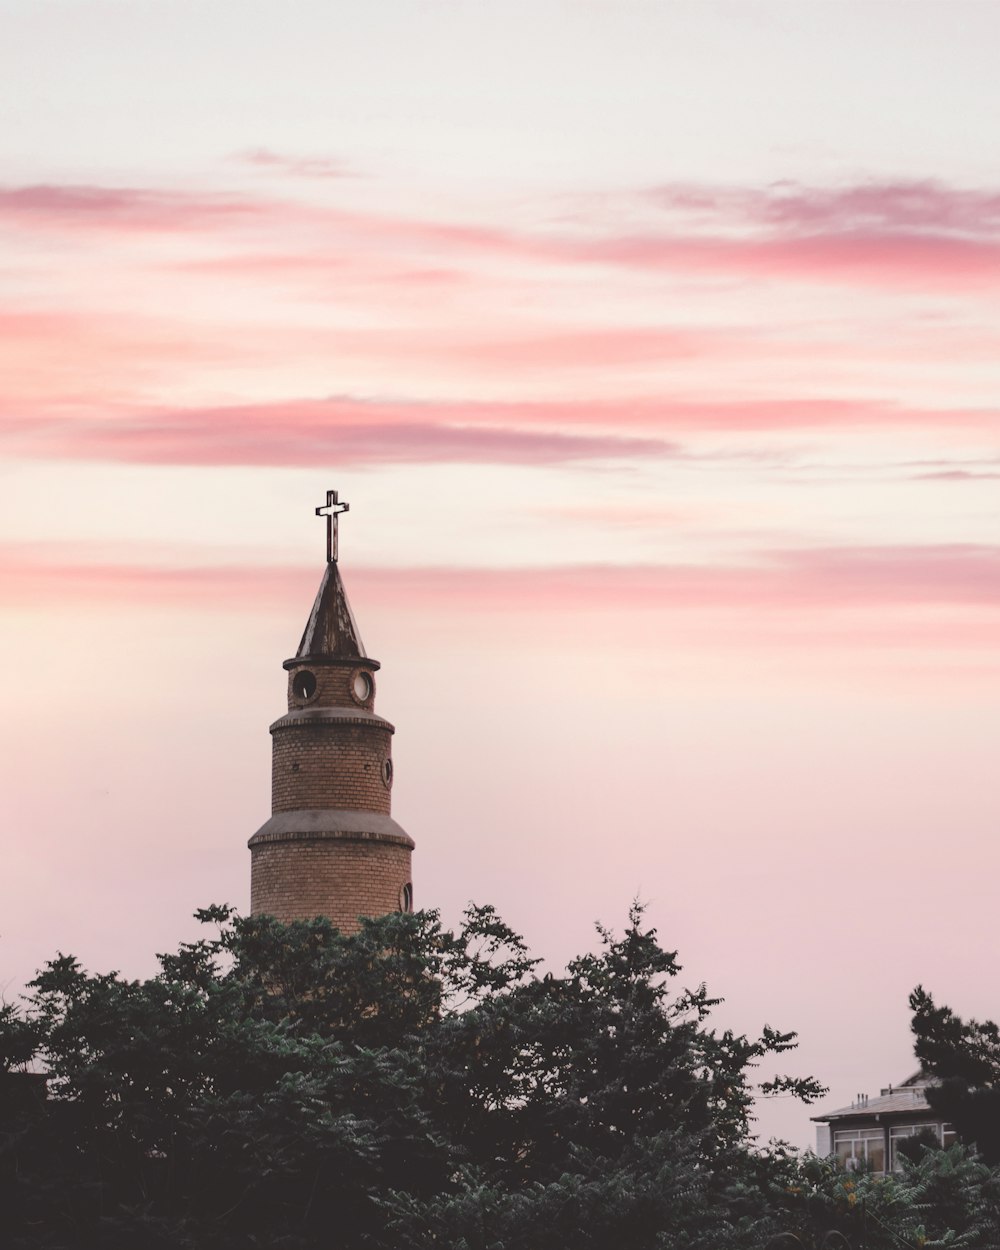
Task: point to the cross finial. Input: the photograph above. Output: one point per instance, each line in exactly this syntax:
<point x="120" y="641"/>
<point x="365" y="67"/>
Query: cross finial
<point x="331" y="510"/>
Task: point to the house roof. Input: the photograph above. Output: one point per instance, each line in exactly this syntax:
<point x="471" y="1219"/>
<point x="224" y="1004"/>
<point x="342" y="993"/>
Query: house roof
<point x="894" y="1100"/>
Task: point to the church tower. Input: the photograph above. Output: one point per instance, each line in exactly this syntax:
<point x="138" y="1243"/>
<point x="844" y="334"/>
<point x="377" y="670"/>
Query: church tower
<point x="331" y="847"/>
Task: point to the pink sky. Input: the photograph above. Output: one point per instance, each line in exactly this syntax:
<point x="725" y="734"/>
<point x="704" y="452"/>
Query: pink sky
<point x="657" y="357"/>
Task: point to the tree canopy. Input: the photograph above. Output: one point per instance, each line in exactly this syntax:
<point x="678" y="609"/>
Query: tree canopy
<point x="292" y="1087"/>
<point x="964" y="1058"/>
<point x="405" y="1086"/>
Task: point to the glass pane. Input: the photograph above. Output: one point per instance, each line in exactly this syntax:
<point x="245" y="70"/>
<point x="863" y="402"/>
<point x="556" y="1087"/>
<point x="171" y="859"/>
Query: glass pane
<point x="845" y="1151"/>
<point x="876" y="1155"/>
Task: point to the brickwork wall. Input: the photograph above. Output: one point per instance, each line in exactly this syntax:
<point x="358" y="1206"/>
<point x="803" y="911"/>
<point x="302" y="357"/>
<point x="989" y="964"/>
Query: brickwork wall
<point x="328" y="764"/>
<point x="297" y="880"/>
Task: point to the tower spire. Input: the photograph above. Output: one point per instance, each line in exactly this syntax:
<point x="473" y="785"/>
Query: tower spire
<point x="331" y="631"/>
<point x="331" y="847"/>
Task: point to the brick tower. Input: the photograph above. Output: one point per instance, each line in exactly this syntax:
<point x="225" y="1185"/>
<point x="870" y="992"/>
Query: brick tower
<point x="331" y="847"/>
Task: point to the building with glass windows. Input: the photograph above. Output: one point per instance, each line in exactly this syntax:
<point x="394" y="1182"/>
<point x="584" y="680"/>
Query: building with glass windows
<point x="867" y="1133"/>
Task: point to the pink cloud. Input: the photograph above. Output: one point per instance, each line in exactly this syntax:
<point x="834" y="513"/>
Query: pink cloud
<point x="304" y="435"/>
<point x="922" y="235"/>
<point x="955" y="573"/>
<point x="118" y="208"/>
<point x="601" y="348"/>
<point x="33" y="579"/>
<point x="99" y="207"/>
<point x="956" y="475"/>
<point x="138" y="353"/>
<point x="862" y="258"/>
<point x="905" y="205"/>
<point x="52" y="361"/>
<point x="298" y="166"/>
<point x="350" y="430"/>
<point x="964" y="577"/>
<point x="823" y="578"/>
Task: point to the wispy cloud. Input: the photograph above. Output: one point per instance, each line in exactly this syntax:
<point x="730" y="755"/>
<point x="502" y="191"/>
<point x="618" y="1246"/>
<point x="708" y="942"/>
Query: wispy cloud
<point x="352" y="430"/>
<point x="304" y="434"/>
<point x="297" y="166"/>
<point x="959" y="577"/>
<point x="911" y="206"/>
<point x="86" y="207"/>
<point x="955" y="475"/>
<point x="862" y="258"/>
<point x="909" y="234"/>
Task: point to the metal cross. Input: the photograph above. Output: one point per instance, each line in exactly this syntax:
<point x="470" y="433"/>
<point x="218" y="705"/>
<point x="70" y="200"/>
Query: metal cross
<point x="332" y="511"/>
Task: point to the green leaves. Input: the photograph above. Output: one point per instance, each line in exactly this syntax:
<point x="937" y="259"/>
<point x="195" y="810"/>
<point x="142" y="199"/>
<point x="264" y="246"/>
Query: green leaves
<point x="954" y="1195"/>
<point x="278" y="1084"/>
<point x="964" y="1057"/>
<point x="951" y="1047"/>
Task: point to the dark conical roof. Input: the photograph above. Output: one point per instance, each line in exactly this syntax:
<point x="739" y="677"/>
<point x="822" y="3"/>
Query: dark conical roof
<point x="331" y="631"/>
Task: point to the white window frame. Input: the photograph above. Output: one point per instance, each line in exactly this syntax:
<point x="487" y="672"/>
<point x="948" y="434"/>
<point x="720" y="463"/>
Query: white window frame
<point x="859" y="1140"/>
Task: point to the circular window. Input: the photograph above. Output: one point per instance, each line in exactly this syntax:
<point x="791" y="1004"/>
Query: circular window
<point x="406" y="897"/>
<point x="387" y="773"/>
<point x="304" y="684"/>
<point x="362" y="686"/>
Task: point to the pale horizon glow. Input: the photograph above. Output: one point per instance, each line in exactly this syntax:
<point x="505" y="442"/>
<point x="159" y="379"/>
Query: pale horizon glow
<point x="655" y="348"/>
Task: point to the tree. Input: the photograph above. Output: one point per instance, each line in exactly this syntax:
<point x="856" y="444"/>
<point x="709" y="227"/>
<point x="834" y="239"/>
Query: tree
<point x="964" y="1058"/>
<point x="938" y="1198"/>
<point x="405" y="1086"/>
<point x="953" y="1196"/>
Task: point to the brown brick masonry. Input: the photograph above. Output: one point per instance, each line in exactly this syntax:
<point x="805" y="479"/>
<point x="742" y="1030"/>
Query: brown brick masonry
<point x="330" y="763"/>
<point x="331" y="847"/>
<point x="342" y="878"/>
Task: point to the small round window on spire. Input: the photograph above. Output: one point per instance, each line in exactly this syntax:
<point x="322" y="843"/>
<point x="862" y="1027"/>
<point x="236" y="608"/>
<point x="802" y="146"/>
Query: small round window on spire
<point x="406" y="897"/>
<point x="304" y="685"/>
<point x="362" y="687"/>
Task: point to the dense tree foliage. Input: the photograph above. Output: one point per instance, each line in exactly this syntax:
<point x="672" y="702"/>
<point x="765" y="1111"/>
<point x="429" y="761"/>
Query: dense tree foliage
<point x="409" y="1087"/>
<point x="964" y="1058"/>
<point x="406" y="1086"/>
<point x="939" y="1198"/>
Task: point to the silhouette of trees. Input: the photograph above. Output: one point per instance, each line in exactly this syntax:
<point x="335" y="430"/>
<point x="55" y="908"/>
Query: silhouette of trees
<point x="406" y="1086"/>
